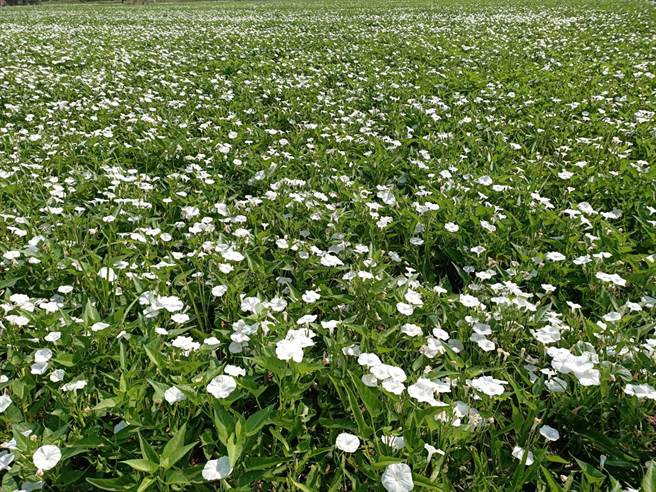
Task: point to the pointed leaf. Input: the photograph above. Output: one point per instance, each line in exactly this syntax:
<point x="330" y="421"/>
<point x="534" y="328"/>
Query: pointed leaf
<point x="142" y="465"/>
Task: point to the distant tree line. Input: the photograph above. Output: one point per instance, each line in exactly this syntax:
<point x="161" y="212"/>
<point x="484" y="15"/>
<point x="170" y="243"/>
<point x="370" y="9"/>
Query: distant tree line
<point x="34" y="2"/>
<point x="19" y="2"/>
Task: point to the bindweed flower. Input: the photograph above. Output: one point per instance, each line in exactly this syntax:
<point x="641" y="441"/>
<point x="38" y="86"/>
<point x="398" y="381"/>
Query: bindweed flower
<point x="522" y="454"/>
<point x="222" y="386"/>
<point x="217" y="469"/>
<point x="174" y="395"/>
<point x="46" y="457"/>
<point x="347" y="442"/>
<point x="397" y="478"/>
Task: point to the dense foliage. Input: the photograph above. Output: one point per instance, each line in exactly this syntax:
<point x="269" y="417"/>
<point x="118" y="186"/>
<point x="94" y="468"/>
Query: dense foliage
<point x="314" y="246"/>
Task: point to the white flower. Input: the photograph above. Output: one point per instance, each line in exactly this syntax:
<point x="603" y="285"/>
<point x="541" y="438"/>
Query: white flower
<point x="641" y="391"/>
<point x="393" y="386"/>
<point x="404" y="308"/>
<point x="5" y="401"/>
<point x="222" y="386"/>
<point x="46" y="457"/>
<point x="306" y="319"/>
<point x="39" y="368"/>
<point x="612" y="278"/>
<point x="612" y="317"/>
<point x="43" y="355"/>
<point x="397" y="478"/>
<point x="451" y="227"/>
<point x="368" y="360"/>
<point x="120" y="426"/>
<point x="107" y="274"/>
<point x="53" y="336"/>
<point x="252" y="305"/>
<point x="582" y="260"/>
<point x="99" y="326"/>
<point x="488" y="385"/>
<point x="394" y="442"/>
<point x="234" y="370"/>
<point x="549" y="433"/>
<point x="431" y="450"/>
<point x="211" y="341"/>
<point x="291" y="347"/>
<point x="469" y="301"/>
<point x="518" y="453"/>
<point x="217" y="469"/>
<point x="74" y="385"/>
<point x="187" y="344"/>
<point x="189" y="212"/>
<point x="556" y="385"/>
<point x="330" y="260"/>
<point x="424" y="391"/>
<point x="277" y="304"/>
<point x="232" y="255"/>
<point x="11" y="255"/>
<point x="483" y="342"/>
<point x="555" y="256"/>
<point x="56" y="375"/>
<point x="174" y="395"/>
<point x="330" y="325"/>
<point x="6" y="459"/>
<point x="411" y="330"/>
<point x="387" y="197"/>
<point x="369" y="380"/>
<point x="547" y="334"/>
<point x="171" y="303"/>
<point x="347" y="442"/>
<point x="219" y="290"/>
<point x="582" y="366"/>
<point x="180" y="318"/>
<point x="413" y="297"/>
<point x="311" y="296"/>
<point x="17" y="320"/>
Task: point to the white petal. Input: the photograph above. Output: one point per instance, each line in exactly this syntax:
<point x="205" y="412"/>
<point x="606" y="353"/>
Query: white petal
<point x="217" y="469"/>
<point x="46" y="457"/>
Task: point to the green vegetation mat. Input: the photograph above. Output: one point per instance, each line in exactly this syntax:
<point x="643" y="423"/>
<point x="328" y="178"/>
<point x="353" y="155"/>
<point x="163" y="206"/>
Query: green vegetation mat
<point x="328" y="246"/>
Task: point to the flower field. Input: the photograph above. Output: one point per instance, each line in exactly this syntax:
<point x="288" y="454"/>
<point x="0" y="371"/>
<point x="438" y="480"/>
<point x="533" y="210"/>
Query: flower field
<point x="328" y="246"/>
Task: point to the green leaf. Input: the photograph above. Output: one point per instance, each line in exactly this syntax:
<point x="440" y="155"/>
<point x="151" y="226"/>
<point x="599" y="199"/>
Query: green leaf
<point x="145" y="484"/>
<point x="368" y="396"/>
<point x="235" y="449"/>
<point x="184" y="477"/>
<point x="175" y="449"/>
<point x="178" y="454"/>
<point x="551" y="481"/>
<point x="264" y="463"/>
<point x="224" y="423"/>
<point x="363" y="429"/>
<point x="259" y="419"/>
<point x="106" y="403"/>
<point x="142" y="465"/>
<point x="300" y="486"/>
<point x="649" y="480"/>
<point x="152" y="355"/>
<point x="112" y="484"/>
<point x="554" y="458"/>
<point x="590" y="472"/>
<point x="147" y="451"/>
<point x="90" y="314"/>
<point x="160" y="389"/>
<point x="608" y="446"/>
<point x="424" y="482"/>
